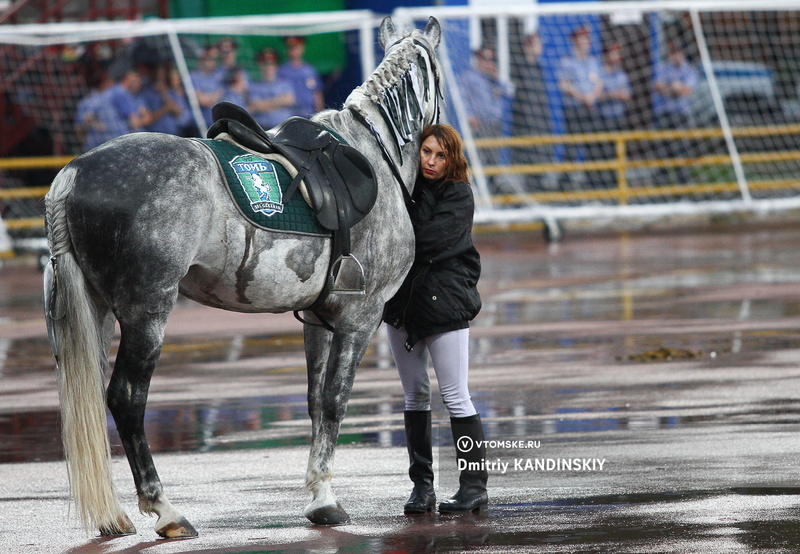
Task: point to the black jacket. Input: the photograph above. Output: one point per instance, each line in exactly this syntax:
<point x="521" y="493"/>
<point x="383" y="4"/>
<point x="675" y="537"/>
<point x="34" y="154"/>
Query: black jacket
<point x="440" y="291"/>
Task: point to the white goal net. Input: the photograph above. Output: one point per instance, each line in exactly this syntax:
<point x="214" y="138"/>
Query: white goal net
<point x="614" y="109"/>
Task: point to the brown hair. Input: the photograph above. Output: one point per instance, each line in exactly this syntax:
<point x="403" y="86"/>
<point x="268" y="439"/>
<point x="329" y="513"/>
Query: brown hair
<point x="450" y="141"/>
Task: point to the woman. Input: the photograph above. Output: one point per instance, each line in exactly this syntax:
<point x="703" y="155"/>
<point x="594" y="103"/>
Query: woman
<point x="429" y="318"/>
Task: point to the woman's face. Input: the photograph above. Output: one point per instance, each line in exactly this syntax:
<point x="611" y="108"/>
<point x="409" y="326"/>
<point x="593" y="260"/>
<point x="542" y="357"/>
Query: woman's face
<point x="432" y="159"/>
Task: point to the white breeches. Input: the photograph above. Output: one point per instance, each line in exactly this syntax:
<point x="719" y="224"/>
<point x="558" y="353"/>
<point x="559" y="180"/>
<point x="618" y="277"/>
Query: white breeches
<point x="450" y="355"/>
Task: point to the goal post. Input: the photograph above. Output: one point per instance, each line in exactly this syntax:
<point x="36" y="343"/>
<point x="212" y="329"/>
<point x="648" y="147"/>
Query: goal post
<point x="592" y="110"/>
<point x="178" y="41"/>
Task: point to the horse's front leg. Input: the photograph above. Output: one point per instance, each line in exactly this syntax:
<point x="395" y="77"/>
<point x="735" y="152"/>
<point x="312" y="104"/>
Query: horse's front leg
<point x="139" y="350"/>
<point x="323" y="509"/>
<point x="330" y="382"/>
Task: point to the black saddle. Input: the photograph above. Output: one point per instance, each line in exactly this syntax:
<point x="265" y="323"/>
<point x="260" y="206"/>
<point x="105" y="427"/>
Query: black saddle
<point x="340" y="183"/>
<point x="339" y="180"/>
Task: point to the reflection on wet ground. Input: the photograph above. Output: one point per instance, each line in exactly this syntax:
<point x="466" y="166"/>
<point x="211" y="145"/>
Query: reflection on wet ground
<point x="726" y="299"/>
<point x="280" y="420"/>
<point x="671" y="357"/>
<point x="605" y="526"/>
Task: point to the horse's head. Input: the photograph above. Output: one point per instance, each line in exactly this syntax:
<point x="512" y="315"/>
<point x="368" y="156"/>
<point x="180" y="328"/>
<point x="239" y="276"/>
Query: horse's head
<point x="418" y="49"/>
<point x="388" y="35"/>
<point x="403" y="95"/>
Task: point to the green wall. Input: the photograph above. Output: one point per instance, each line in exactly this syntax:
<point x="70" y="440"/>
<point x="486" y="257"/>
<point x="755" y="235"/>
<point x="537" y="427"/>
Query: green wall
<point x="326" y="52"/>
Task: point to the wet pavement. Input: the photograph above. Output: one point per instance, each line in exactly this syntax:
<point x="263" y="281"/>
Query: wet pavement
<point x="641" y="393"/>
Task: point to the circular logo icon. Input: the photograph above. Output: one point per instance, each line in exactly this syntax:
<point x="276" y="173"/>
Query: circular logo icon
<point x="464" y="444"/>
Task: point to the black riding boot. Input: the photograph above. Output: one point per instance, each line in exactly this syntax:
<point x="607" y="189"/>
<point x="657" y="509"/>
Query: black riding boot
<point x="471" y="459"/>
<point x="420" y="456"/>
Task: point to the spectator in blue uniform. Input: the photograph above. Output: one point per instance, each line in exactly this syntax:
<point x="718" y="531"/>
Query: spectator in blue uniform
<point x="229" y="63"/>
<point x="207" y="83"/>
<point x="304" y="78"/>
<point x="235" y="86"/>
<point x="271" y="98"/>
<point x="581" y="86"/>
<point x="160" y="100"/>
<point x="486" y="99"/>
<point x="613" y="104"/>
<point x="96" y="119"/>
<point x="484" y="95"/>
<point x="674" y="83"/>
<point x="124" y="98"/>
<point x="187" y="127"/>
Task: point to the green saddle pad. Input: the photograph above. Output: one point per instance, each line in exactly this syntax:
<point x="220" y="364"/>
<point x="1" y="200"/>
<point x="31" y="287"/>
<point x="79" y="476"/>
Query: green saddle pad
<point x="256" y="186"/>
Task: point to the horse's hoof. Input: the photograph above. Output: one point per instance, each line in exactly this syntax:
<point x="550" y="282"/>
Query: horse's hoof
<point x="123" y="526"/>
<point x="329" y="515"/>
<point x="180" y="529"/>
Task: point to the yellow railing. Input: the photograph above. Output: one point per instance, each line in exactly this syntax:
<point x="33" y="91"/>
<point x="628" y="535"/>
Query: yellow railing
<point x="11" y="194"/>
<point x="35" y="162"/>
<point x="620" y="165"/>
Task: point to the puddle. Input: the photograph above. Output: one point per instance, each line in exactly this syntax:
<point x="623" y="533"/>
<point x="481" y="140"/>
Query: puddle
<point x="267" y="422"/>
<point x="613" y="523"/>
<point x="562" y="305"/>
<point x="532" y="410"/>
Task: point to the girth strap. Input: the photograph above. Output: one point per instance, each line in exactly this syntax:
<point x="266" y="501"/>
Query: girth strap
<point x="301" y="173"/>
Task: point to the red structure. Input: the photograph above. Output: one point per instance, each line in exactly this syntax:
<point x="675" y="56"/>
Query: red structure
<point x="44" y="11"/>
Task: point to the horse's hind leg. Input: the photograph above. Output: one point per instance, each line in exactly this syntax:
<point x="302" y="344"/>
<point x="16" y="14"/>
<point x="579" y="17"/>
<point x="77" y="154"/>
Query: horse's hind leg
<point x="332" y="363"/>
<point x="139" y="350"/>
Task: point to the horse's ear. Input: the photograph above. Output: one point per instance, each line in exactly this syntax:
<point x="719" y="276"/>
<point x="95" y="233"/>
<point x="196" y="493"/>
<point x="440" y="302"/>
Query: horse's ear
<point x="433" y="31"/>
<point x="387" y="32"/>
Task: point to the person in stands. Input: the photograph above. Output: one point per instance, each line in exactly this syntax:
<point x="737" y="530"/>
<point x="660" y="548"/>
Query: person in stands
<point x="271" y="98"/>
<point x="304" y="78"/>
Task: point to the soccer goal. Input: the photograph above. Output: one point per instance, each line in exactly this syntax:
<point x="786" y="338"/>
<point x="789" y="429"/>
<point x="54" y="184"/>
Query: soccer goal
<point x="624" y="109"/>
<point x="57" y="77"/>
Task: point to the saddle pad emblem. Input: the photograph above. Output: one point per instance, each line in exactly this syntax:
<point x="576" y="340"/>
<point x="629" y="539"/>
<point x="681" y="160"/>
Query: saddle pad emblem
<point x="257" y="185"/>
<point x="259" y="181"/>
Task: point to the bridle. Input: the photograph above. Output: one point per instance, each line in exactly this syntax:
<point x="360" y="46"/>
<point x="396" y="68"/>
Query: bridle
<point x="370" y="125"/>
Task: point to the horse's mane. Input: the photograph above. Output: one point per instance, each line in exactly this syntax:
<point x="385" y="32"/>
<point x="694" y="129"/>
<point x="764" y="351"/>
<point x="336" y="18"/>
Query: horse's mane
<point x="396" y="90"/>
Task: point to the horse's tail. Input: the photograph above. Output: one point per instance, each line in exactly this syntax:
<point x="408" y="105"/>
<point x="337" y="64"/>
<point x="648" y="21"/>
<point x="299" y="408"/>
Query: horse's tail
<point x="75" y="337"/>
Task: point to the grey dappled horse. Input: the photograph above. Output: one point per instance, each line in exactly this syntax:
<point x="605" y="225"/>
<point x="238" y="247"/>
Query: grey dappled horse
<point x="144" y="217"/>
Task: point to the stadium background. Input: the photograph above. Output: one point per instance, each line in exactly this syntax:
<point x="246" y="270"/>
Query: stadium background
<point x="741" y="147"/>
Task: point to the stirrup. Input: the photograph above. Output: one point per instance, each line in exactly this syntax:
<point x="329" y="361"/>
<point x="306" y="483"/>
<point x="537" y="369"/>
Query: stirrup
<point x="347" y="276"/>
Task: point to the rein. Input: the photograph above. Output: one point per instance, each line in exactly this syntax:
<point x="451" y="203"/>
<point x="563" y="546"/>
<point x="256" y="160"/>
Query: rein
<point x="367" y="122"/>
<point x="370" y="125"/>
